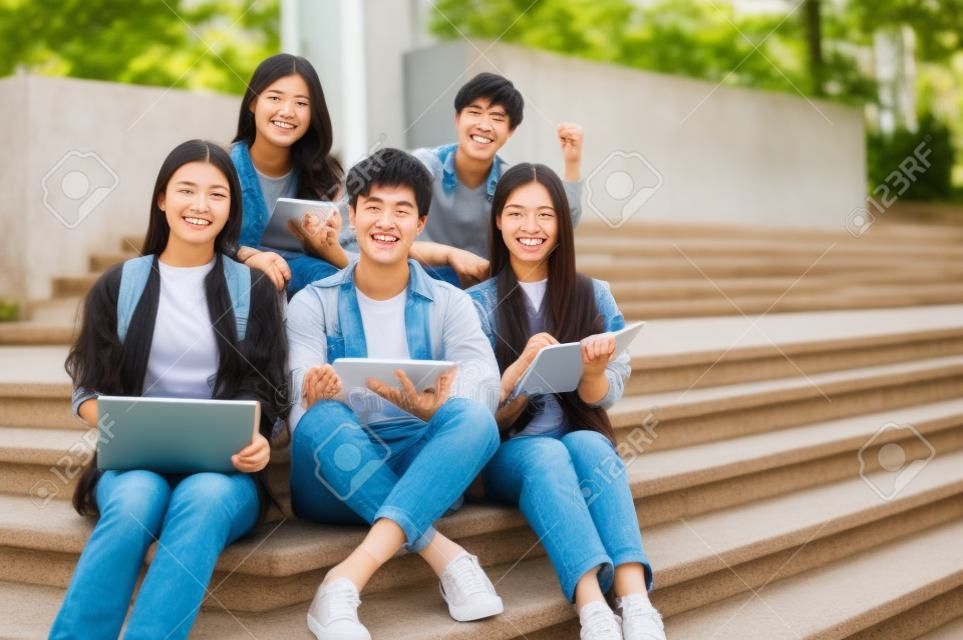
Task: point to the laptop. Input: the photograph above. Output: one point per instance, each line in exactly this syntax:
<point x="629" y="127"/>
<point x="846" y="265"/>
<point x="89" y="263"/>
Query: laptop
<point x="173" y="435"/>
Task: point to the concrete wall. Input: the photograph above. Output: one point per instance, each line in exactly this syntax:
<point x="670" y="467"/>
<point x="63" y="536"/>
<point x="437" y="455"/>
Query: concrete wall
<point x="96" y="147"/>
<point x="660" y="147"/>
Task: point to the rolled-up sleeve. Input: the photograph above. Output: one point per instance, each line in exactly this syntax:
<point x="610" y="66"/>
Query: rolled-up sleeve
<point x="620" y="368"/>
<point x="81" y="395"/>
<point x="307" y="343"/>
<point x="465" y="343"/>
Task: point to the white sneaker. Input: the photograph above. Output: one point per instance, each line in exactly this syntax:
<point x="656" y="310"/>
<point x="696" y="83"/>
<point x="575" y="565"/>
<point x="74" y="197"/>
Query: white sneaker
<point x="468" y="591"/>
<point x="333" y="614"/>
<point x="598" y="622"/>
<point x="640" y="620"/>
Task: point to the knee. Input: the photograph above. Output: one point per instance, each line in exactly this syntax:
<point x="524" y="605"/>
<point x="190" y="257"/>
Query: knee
<point x="134" y="499"/>
<point x="545" y="458"/>
<point x="324" y="418"/>
<point x="477" y="424"/>
<point x="212" y="496"/>
<point x="590" y="449"/>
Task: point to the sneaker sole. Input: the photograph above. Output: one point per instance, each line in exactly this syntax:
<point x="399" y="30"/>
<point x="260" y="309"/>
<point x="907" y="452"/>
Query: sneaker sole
<point x="471" y="613"/>
<point x="324" y="634"/>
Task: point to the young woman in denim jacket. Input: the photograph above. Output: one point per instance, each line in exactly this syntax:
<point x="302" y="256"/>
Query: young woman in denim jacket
<point x="556" y="447"/>
<point x="283" y="149"/>
<point x="183" y="339"/>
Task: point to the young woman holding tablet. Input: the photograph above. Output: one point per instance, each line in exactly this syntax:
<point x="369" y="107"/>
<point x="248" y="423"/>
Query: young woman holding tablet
<point x="282" y="149"/>
<point x="200" y="326"/>
<point x="554" y="444"/>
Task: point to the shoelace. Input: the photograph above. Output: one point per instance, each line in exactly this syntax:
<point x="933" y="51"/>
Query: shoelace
<point x="343" y="603"/>
<point x="466" y="573"/>
<point x="601" y="623"/>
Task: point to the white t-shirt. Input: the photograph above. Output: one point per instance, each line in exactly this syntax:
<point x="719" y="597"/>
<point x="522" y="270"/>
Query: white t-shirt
<point x="535" y="291"/>
<point x="183" y="352"/>
<point x="550" y="419"/>
<point x="384" y="326"/>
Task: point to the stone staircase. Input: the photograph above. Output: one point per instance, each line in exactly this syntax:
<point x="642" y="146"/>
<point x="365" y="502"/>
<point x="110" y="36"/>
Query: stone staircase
<point x="796" y="474"/>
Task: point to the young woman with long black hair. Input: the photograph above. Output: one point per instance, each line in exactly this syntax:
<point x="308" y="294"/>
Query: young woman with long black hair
<point x="282" y="149"/>
<point x="556" y="447"/>
<point x="183" y="335"/>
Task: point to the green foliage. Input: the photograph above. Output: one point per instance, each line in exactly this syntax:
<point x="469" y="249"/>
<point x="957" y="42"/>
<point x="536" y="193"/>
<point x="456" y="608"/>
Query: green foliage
<point x="931" y="144"/>
<point x="191" y="44"/>
<point x="9" y="311"/>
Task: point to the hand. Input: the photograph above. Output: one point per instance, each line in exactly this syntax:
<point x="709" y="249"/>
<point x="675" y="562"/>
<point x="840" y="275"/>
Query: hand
<point x="320" y="383"/>
<point x="508" y="413"/>
<point x="597" y="351"/>
<point x="514" y="372"/>
<point x="274" y="267"/>
<point x="471" y="269"/>
<point x="320" y="240"/>
<point x="254" y="456"/>
<point x="421" y="405"/>
<point x="570" y="139"/>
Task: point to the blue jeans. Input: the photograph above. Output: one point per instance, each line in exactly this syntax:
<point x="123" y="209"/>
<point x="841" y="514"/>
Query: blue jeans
<point x="410" y="472"/>
<point x="574" y="493"/>
<point x="305" y="270"/>
<point x="192" y="518"/>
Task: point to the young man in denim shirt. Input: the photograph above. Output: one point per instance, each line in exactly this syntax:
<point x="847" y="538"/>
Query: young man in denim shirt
<point x="488" y="109"/>
<point x="391" y="457"/>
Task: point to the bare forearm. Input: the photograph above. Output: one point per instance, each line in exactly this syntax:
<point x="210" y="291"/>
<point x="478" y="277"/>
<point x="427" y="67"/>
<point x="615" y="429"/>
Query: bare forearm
<point x="246" y="252"/>
<point x="430" y="253"/>
<point x="592" y="388"/>
<point x="88" y="412"/>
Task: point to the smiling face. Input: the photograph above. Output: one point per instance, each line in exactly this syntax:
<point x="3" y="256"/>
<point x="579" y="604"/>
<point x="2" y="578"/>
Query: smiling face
<point x="482" y="129"/>
<point x="282" y="112"/>
<point x="529" y="226"/>
<point x="196" y="202"/>
<point x="387" y="223"/>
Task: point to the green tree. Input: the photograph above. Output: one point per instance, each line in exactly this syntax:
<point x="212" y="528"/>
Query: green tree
<point x="195" y="44"/>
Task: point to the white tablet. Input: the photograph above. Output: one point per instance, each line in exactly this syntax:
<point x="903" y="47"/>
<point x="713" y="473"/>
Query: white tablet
<point x="558" y="368"/>
<point x="278" y="236"/>
<point x="173" y="435"/>
<point x="354" y="372"/>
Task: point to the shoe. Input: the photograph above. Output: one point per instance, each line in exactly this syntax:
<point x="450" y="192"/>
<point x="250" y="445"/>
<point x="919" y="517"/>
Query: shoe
<point x="333" y="614"/>
<point x="640" y="620"/>
<point x="598" y="622"/>
<point x="468" y="591"/>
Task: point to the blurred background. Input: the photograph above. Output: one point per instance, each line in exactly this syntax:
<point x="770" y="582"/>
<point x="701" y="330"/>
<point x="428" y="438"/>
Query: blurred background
<point x="774" y="186"/>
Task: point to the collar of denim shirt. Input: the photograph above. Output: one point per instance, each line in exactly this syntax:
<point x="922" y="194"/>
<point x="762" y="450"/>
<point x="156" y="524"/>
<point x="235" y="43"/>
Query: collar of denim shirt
<point x="449" y="179"/>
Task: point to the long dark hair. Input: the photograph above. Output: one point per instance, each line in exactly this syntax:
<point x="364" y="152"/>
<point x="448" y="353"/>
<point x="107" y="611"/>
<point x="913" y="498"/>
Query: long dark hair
<point x="570" y="310"/>
<point x="252" y="368"/>
<point x="320" y="173"/>
<point x="158" y="231"/>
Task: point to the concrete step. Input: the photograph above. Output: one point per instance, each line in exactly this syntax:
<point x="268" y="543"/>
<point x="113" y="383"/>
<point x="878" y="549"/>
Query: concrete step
<point x="673" y="419"/>
<point x="788" y="246"/>
<point x="878" y="584"/>
<point x="27" y="333"/>
<point x="59" y="311"/>
<point x="953" y="630"/>
<point x="693" y="557"/>
<point x="632" y="291"/>
<point x="859" y="298"/>
<point x="883" y="231"/>
<point x="767" y="359"/>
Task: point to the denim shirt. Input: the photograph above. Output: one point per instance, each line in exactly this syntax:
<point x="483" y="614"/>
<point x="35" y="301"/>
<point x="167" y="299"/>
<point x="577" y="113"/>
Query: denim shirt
<point x="485" y="297"/>
<point x="324" y="323"/>
<point x="458" y="216"/>
<point x="255" y="210"/>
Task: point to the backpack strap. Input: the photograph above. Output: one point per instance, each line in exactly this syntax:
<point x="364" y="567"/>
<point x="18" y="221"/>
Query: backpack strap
<point x="133" y="280"/>
<point x="238" y="279"/>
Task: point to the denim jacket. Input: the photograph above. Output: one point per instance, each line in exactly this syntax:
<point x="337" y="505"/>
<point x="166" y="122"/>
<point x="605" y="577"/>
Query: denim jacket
<point x="324" y="323"/>
<point x="485" y="297"/>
